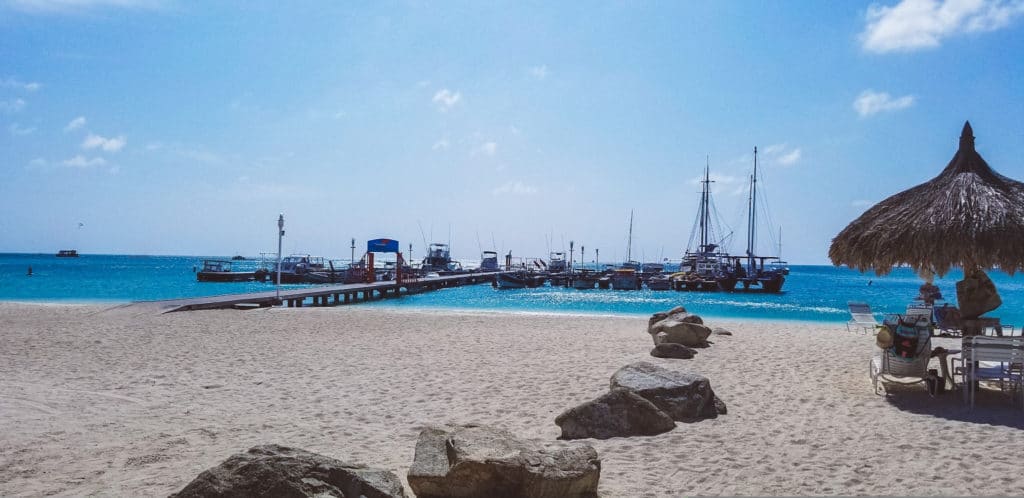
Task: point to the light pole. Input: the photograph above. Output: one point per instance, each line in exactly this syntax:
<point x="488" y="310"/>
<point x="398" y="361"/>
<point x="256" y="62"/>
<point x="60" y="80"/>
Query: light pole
<point x="571" y="243"/>
<point x="280" y="235"/>
<point x="352" y="257"/>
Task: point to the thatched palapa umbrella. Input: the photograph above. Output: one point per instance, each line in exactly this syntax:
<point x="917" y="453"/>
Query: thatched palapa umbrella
<point x="969" y="217"/>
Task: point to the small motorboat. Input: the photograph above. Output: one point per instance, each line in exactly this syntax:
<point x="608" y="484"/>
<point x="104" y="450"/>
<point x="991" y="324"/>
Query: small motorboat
<point x="215" y="270"/>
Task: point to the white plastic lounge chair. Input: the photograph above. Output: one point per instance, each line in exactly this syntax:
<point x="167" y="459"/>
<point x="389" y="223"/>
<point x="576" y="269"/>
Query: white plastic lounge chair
<point x="998" y="359"/>
<point x="861" y="317"/>
<point x="887" y="367"/>
<point x="920" y="314"/>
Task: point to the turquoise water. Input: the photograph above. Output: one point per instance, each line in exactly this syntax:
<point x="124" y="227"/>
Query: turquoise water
<point x="812" y="293"/>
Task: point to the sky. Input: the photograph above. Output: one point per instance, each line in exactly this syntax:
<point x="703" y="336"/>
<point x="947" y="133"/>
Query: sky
<point x="185" y="128"/>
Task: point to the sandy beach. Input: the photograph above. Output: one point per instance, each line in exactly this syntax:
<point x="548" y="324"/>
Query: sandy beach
<point x="125" y="401"/>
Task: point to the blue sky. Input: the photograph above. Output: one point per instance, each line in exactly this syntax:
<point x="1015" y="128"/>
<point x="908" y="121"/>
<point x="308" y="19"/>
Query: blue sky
<point x="168" y="127"/>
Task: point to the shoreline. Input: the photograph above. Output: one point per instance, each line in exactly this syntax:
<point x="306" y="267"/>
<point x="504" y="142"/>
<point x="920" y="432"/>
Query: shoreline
<point x="446" y="310"/>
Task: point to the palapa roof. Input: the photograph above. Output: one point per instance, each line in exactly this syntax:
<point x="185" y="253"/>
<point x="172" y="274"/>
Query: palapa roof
<point x="969" y="214"/>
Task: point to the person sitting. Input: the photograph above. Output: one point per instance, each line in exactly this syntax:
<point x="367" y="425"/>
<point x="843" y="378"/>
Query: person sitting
<point x="929" y="293"/>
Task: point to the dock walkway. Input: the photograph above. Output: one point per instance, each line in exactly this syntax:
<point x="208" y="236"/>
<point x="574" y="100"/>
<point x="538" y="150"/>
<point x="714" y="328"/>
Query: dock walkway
<point x="325" y="295"/>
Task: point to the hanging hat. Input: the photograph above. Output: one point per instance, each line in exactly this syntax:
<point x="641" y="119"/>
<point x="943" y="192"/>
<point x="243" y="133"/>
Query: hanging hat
<point x="883" y="338"/>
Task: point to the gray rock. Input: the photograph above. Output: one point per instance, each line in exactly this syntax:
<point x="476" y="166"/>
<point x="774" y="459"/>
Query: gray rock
<point x="479" y="461"/>
<point x="677" y="312"/>
<point x="684" y="396"/>
<point x="720" y="331"/>
<point x="277" y="471"/>
<point x="619" y="413"/>
<point x="672" y="350"/>
<point x="678" y="330"/>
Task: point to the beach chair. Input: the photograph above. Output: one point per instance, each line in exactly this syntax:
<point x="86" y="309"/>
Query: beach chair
<point x="921" y="315"/>
<point x="861" y="317"/>
<point x="999" y="359"/>
<point x="947" y="320"/>
<point x="906" y="361"/>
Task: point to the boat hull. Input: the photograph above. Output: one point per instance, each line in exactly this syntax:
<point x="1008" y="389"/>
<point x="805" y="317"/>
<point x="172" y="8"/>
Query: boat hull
<point x="232" y="276"/>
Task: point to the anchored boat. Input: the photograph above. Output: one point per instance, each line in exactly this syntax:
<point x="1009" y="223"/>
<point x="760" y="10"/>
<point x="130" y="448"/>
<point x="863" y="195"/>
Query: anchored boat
<point x="756" y="274"/>
<point x="707" y="268"/>
<point x="216" y="270"/>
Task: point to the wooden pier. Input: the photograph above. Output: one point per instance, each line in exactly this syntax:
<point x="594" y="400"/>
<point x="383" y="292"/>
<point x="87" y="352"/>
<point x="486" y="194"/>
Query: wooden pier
<point x="326" y="295"/>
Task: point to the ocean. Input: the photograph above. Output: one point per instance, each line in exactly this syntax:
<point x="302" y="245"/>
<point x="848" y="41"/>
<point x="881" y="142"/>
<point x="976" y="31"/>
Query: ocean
<point x="811" y="293"/>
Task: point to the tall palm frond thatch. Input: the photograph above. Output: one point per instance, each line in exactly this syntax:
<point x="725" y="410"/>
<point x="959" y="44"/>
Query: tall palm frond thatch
<point x="968" y="215"/>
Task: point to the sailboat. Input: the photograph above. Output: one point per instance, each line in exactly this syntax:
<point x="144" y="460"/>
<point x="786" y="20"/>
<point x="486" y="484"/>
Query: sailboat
<point x="707" y="268"/>
<point x="625" y="277"/>
<point x="755" y="273"/>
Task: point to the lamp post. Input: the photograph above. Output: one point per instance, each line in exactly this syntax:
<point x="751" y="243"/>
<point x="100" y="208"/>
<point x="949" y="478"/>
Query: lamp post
<point x="280" y="235"/>
<point x="571" y="243"/>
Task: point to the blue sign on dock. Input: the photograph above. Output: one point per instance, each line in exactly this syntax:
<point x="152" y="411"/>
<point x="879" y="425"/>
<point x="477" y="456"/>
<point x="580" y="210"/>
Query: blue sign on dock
<point x="382" y="245"/>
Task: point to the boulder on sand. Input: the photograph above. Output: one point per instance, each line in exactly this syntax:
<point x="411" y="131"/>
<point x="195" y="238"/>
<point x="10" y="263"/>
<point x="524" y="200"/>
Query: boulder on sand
<point x="619" y="413"/>
<point x="684" y="396"/>
<point x="272" y="471"/>
<point x="678" y="327"/>
<point x="479" y="461"/>
<point x="720" y="331"/>
<point x="672" y="350"/>
<point x="677" y="331"/>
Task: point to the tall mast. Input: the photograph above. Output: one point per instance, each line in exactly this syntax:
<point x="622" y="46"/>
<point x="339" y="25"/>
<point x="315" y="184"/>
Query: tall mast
<point x="752" y="213"/>
<point x="629" y="241"/>
<point x="704" y="208"/>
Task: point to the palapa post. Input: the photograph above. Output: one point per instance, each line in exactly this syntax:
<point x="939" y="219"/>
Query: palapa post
<point x="968" y="216"/>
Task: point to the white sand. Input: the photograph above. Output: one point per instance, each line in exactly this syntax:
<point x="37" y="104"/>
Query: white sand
<point x="126" y="402"/>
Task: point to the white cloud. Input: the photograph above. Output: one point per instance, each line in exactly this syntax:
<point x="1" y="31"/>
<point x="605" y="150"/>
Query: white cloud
<point x="75" y="124"/>
<point x="20" y="85"/>
<point x="515" y="188"/>
<point x="71" y="6"/>
<point x="871" y="102"/>
<point x="441" y="144"/>
<point x="446" y="99"/>
<point x="12" y="105"/>
<point x="488" y="148"/>
<point x="920" y="24"/>
<point x="790" y="158"/>
<point x="80" y="161"/>
<point x="18" y="130"/>
<point x="107" y="144"/>
<point x="539" y="72"/>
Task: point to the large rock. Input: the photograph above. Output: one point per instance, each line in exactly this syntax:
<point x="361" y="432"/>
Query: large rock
<point x="683" y="396"/>
<point x="976" y="294"/>
<point x="479" y="461"/>
<point x="619" y="413"/>
<point x="277" y="471"/>
<point x="681" y="329"/>
<point x="678" y="313"/>
<point x="672" y="350"/>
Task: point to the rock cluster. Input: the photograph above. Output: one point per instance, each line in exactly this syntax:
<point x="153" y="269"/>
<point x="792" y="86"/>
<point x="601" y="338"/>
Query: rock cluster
<point x="278" y="471"/>
<point x="677" y="326"/>
<point x="644" y="400"/>
<point x="480" y="461"/>
<point x="673" y="350"/>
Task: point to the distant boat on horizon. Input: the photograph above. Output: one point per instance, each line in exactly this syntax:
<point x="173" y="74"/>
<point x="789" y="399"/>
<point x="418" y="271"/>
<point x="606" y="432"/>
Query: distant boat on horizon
<point x="67" y="253"/>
